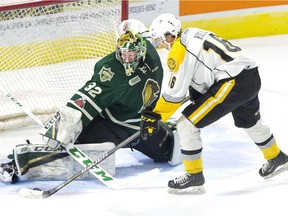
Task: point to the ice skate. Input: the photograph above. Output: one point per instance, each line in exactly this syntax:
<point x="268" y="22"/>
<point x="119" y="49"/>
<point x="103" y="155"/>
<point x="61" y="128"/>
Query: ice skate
<point x="274" y="166"/>
<point x="187" y="184"/>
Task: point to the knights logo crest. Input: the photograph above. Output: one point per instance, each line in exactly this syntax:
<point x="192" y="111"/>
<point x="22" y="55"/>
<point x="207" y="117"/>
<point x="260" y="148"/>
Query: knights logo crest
<point x="106" y="74"/>
<point x="150" y="92"/>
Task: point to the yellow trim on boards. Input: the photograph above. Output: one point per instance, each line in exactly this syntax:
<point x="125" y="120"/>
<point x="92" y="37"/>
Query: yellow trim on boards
<point x="243" y="26"/>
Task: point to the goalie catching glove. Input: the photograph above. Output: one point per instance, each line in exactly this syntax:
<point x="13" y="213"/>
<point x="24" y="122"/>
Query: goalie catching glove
<point x="63" y="128"/>
<point x="149" y="122"/>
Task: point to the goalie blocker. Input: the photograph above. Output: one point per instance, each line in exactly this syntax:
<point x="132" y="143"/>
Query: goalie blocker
<point x="39" y="162"/>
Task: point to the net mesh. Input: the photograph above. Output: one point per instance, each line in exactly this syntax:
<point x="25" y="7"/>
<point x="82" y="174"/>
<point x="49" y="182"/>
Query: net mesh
<point x="48" y="52"/>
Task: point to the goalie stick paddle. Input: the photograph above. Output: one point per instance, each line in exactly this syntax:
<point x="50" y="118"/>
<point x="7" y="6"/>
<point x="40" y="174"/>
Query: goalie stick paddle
<point x="86" y="162"/>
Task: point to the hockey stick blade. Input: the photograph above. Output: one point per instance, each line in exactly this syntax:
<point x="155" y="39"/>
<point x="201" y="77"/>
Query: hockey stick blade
<point x="33" y="194"/>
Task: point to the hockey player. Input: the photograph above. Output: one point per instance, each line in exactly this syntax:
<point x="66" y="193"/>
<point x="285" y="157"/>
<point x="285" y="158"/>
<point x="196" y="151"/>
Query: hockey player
<point x="108" y="107"/>
<point x="221" y="78"/>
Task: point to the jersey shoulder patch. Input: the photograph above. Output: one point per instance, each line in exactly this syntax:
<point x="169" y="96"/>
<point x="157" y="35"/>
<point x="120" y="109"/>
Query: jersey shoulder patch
<point x="176" y="56"/>
<point x="106" y="74"/>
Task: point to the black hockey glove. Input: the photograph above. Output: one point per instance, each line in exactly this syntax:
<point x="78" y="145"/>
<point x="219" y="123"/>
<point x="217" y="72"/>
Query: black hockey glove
<point x="149" y="122"/>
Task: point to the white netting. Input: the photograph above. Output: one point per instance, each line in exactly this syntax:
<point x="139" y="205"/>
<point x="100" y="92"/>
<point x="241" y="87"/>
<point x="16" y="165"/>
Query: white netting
<point x="48" y="52"/>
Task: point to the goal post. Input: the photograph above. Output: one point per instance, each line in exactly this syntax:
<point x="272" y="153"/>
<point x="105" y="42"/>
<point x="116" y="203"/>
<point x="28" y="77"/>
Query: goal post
<point x="48" y="49"/>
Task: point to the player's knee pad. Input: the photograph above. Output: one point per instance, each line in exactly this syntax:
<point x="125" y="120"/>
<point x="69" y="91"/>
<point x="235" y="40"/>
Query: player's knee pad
<point x="259" y="133"/>
<point x="39" y="162"/>
<point x="189" y="135"/>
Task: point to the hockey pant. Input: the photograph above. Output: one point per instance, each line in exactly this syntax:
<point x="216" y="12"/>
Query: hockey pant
<point x="239" y="96"/>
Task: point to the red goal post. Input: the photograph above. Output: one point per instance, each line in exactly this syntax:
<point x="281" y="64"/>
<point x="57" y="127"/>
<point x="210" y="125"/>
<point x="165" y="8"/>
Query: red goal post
<point x="48" y="49"/>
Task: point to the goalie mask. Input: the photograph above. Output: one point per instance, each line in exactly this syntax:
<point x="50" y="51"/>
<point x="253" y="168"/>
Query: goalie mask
<point x="165" y="29"/>
<point x="130" y="50"/>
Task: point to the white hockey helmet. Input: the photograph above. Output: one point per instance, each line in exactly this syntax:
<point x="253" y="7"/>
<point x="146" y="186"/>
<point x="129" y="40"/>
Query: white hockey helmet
<point x="164" y="25"/>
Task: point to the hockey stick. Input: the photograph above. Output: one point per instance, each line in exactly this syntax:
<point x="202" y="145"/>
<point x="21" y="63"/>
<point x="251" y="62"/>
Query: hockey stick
<point x="86" y="162"/>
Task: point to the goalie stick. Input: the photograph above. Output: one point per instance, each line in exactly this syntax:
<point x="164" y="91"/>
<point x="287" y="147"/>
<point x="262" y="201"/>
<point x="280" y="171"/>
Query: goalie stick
<point x="86" y="162"/>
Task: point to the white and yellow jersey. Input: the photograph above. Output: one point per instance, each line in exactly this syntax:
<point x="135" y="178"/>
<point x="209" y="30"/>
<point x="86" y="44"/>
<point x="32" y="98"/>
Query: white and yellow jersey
<point x="198" y="59"/>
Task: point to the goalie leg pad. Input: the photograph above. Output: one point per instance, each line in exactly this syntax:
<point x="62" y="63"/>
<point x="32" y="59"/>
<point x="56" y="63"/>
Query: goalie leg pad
<point x="39" y="162"/>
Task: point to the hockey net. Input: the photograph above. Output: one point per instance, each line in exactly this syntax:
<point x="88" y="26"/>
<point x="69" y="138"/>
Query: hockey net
<point x="48" y="49"/>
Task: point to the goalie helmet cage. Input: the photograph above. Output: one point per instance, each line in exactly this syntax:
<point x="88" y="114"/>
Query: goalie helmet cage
<point x="48" y="50"/>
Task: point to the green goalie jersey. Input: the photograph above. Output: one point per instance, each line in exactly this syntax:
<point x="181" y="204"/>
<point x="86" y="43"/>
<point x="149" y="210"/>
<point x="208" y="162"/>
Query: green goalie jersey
<point x="117" y="96"/>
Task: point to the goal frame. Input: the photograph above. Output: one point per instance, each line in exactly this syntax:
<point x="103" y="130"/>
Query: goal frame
<point x="31" y="4"/>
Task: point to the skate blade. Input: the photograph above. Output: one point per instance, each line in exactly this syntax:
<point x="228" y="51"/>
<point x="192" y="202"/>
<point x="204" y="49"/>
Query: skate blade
<point x="190" y="190"/>
<point x="278" y="171"/>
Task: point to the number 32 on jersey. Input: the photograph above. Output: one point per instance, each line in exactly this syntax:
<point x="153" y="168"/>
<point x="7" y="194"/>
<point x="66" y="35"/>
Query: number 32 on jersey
<point x="93" y="90"/>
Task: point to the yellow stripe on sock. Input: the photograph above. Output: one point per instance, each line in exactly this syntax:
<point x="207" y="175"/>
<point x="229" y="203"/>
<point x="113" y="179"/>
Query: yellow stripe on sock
<point x="193" y="166"/>
<point x="271" y="152"/>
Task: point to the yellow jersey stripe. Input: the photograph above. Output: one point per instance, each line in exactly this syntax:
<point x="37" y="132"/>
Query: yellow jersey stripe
<point x="165" y="108"/>
<point x="211" y="102"/>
